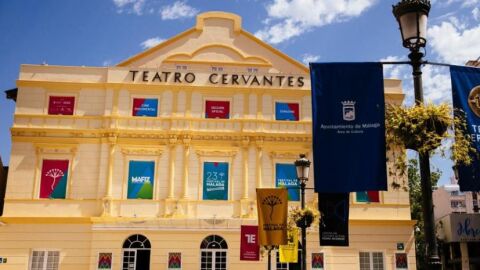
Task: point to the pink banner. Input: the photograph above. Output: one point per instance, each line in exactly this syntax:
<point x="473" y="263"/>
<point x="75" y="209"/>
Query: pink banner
<point x="217" y="109"/>
<point x="61" y="105"/>
<point x="53" y="182"/>
<point x="249" y="248"/>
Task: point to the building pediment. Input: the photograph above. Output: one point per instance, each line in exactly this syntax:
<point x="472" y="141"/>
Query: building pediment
<point x="216" y="40"/>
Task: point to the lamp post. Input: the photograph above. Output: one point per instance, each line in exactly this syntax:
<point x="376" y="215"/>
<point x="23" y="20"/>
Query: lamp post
<point x="412" y="18"/>
<point x="303" y="168"/>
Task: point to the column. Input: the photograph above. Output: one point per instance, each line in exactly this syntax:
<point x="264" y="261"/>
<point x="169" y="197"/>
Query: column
<point x="107" y="200"/>
<point x="171" y="179"/>
<point x="245" y="168"/>
<point x="259" y="162"/>
<point x="186" y="158"/>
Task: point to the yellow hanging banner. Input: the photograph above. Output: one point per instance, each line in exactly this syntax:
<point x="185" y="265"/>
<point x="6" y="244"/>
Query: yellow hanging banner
<point x="289" y="252"/>
<point x="272" y="208"/>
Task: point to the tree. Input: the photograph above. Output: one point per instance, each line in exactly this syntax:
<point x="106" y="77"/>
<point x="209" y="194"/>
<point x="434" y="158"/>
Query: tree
<point x="416" y="207"/>
<point x="271" y="201"/>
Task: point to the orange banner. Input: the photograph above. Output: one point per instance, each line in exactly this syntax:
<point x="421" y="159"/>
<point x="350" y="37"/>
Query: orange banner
<point x="272" y="208"/>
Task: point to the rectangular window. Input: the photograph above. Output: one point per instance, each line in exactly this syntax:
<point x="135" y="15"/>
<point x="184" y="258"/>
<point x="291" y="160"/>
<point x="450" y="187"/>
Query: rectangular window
<point x="287" y="111"/>
<point x="371" y="261"/>
<point x="140" y="179"/>
<point x="217" y="109"/>
<point x="61" y="105"/>
<point x="45" y="260"/>
<point x="215" y="181"/>
<point x="368" y="196"/>
<point x="104" y="261"/>
<point x="317" y="261"/>
<point x="286" y="176"/>
<point x="145" y="107"/>
<point x="53" y="181"/>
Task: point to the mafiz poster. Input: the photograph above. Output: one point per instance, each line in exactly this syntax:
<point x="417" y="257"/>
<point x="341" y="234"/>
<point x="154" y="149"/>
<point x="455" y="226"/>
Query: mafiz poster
<point x="140" y="179"/>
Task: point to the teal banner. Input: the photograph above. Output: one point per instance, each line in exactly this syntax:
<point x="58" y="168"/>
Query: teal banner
<point x="215" y="181"/>
<point x="286" y="176"/>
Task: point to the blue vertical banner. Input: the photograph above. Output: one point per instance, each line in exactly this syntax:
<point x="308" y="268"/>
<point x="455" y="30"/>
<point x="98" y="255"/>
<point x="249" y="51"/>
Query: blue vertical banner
<point x="286" y="176"/>
<point x="348" y="107"/>
<point x="466" y="97"/>
<point x="140" y="179"/>
<point x="215" y="181"/>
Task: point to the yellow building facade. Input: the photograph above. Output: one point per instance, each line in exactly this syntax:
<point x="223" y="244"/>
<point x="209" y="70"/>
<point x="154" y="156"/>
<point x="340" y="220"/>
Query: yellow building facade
<point x="210" y="97"/>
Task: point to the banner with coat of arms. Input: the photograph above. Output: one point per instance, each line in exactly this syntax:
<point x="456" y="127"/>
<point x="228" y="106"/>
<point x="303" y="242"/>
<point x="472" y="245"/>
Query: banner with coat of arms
<point x="348" y="111"/>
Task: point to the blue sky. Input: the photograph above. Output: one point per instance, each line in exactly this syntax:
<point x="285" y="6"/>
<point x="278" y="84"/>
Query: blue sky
<point x="105" y="32"/>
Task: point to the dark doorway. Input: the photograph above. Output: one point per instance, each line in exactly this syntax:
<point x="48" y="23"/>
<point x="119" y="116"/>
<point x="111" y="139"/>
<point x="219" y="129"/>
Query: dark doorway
<point x="136" y="253"/>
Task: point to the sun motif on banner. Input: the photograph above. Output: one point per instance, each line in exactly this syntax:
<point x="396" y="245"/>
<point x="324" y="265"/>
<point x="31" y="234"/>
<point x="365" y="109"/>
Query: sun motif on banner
<point x="474" y="100"/>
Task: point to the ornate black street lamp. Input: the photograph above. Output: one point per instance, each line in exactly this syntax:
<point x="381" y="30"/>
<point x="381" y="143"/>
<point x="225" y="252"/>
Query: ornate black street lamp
<point x="412" y="17"/>
<point x="303" y="168"/>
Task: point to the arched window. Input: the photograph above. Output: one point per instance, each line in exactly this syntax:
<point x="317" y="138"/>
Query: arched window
<point x="136" y="253"/>
<point x="213" y="253"/>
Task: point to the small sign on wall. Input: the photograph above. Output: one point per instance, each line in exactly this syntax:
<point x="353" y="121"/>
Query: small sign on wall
<point x="104" y="261"/>
<point x="401" y="261"/>
<point x="217" y="109"/>
<point x="145" y="107"/>
<point x="174" y="260"/>
<point x="3" y="260"/>
<point x="317" y="261"/>
<point x="61" y="105"/>
<point x="287" y="111"/>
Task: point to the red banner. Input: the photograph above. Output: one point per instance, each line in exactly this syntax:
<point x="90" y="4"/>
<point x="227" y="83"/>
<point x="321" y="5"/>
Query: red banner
<point x="61" y="105"/>
<point x="217" y="109"/>
<point x="53" y="183"/>
<point x="249" y="248"/>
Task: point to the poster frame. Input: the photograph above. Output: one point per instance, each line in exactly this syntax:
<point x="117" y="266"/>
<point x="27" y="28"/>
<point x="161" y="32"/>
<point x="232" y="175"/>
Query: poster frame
<point x="217" y="98"/>
<point x="134" y="96"/>
<point x="127" y="170"/>
<point x="39" y="168"/>
<point x="202" y="180"/>
<point x="60" y="94"/>
<point x="296" y="101"/>
<point x="275" y="176"/>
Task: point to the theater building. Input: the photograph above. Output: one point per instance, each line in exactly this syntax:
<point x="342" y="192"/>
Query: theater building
<point x="153" y="163"/>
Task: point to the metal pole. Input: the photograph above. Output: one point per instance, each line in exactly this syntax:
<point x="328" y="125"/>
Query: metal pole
<point x="269" y="258"/>
<point x="433" y="260"/>
<point x="303" y="228"/>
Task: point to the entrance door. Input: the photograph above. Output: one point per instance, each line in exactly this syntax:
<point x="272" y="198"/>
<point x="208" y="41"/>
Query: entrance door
<point x="213" y="253"/>
<point x="136" y="253"/>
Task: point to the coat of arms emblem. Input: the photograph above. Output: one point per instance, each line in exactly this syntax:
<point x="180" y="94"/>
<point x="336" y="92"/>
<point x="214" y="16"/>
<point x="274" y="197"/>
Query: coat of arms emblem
<point x="474" y="100"/>
<point x="348" y="110"/>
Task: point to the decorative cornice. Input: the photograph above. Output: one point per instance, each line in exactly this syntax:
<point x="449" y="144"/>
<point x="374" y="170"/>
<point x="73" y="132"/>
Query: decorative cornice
<point x="216" y="153"/>
<point x="286" y="154"/>
<point x="55" y="148"/>
<point x="142" y="150"/>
